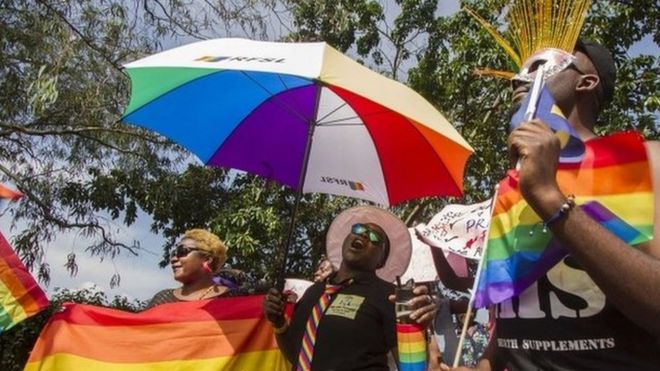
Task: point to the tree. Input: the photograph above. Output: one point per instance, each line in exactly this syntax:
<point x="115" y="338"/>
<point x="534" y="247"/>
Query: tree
<point x="478" y="106"/>
<point x="62" y="92"/>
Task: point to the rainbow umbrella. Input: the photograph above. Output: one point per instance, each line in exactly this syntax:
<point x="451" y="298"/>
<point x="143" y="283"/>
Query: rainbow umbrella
<point x="302" y="114"/>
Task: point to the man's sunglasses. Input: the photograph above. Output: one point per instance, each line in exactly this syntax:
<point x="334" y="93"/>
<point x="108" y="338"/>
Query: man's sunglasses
<point x="181" y="251"/>
<point x="374" y="237"/>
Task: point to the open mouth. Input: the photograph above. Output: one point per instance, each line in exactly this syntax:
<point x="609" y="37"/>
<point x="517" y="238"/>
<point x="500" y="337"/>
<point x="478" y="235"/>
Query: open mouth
<point x="357" y="244"/>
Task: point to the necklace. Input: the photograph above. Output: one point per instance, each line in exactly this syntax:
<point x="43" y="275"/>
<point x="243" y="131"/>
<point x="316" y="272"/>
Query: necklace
<point x="206" y="292"/>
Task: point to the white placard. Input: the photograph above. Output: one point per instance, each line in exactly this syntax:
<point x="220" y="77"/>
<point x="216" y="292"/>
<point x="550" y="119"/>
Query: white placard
<point x="460" y="229"/>
<point x="297" y="286"/>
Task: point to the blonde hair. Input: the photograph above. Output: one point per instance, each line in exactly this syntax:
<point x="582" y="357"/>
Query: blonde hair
<point x="210" y="243"/>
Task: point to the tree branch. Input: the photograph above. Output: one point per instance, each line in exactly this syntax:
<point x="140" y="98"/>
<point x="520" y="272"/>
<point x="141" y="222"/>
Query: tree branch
<point x="63" y="224"/>
<point x="80" y="34"/>
<point x="77" y="131"/>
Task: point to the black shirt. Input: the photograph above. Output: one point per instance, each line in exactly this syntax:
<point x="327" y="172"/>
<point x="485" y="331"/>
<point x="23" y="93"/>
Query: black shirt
<point x="564" y="322"/>
<point x="357" y="330"/>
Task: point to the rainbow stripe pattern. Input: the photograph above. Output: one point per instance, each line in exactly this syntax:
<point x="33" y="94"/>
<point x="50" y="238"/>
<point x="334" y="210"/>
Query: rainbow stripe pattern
<point x="220" y="334"/>
<point x="302" y="114"/>
<point x="306" y="354"/>
<point x="411" y="346"/>
<point x="20" y="295"/>
<point x="613" y="185"/>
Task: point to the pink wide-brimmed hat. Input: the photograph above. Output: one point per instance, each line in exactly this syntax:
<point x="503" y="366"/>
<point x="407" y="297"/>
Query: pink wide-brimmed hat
<point x="397" y="233"/>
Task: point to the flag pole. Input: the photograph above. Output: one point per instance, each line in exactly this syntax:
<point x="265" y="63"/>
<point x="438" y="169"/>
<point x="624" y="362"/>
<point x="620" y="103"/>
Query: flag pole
<point x="475" y="285"/>
<point x="534" y="97"/>
<point x="530" y="113"/>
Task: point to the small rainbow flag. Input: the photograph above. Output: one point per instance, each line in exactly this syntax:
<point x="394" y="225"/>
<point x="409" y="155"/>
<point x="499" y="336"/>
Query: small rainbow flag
<point x="411" y="347"/>
<point x="612" y="184"/>
<point x="20" y="295"/>
<point x="9" y="194"/>
<point x="219" y="334"/>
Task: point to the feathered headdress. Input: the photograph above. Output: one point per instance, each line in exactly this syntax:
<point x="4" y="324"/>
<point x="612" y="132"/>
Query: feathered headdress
<point x="544" y="30"/>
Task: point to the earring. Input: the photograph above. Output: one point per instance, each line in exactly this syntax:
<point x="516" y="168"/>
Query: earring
<point x="206" y="268"/>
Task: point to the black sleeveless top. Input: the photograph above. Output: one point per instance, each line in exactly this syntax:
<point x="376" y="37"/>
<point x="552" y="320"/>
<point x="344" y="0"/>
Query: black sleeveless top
<point x="564" y="322"/>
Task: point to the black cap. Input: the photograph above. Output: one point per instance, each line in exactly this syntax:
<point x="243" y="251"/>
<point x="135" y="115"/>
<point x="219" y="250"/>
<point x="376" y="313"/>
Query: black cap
<point x="604" y="63"/>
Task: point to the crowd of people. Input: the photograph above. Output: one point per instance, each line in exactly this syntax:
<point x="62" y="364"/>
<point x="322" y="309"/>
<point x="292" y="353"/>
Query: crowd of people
<point x="346" y="319"/>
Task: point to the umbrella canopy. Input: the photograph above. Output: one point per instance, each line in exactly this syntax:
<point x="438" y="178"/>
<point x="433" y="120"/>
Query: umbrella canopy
<point x="299" y="113"/>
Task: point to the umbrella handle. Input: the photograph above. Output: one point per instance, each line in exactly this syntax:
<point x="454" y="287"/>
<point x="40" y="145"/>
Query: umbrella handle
<point x="279" y="284"/>
<point x="301" y="184"/>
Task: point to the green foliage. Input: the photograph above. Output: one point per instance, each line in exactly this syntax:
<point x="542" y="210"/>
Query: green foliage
<point x="62" y="93"/>
<point x="17" y="342"/>
<point x="341" y="23"/>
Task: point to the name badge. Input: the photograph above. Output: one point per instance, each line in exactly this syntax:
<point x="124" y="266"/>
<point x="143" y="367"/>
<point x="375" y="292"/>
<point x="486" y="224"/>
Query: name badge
<point x="345" y="306"/>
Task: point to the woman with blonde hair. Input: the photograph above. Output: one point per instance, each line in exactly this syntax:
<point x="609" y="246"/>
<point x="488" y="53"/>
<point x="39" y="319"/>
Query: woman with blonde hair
<point x="195" y="260"/>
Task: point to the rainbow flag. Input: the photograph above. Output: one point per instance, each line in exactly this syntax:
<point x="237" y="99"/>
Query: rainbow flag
<point x="411" y="347"/>
<point x="612" y="184"/>
<point x="220" y="334"/>
<point x="20" y="295"/>
<point x="9" y="194"/>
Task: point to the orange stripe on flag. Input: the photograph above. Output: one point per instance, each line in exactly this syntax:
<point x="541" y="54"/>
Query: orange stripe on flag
<point x="20" y="294"/>
<point x="158" y="343"/>
<point x="16" y="288"/>
<point x="623" y="179"/>
<point x="6" y="192"/>
<point x="225" y="333"/>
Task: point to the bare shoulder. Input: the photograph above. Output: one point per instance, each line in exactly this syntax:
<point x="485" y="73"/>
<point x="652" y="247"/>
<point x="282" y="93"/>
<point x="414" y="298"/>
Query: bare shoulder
<point x="653" y="153"/>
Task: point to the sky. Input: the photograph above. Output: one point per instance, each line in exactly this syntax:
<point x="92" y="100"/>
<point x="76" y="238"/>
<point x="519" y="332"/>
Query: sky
<point x="141" y="277"/>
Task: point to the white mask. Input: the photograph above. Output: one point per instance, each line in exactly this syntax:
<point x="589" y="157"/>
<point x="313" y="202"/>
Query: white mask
<point x="555" y="61"/>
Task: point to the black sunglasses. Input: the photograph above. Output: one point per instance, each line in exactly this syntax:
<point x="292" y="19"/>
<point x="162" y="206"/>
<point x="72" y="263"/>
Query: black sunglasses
<point x="181" y="251"/>
<point x="374" y="237"/>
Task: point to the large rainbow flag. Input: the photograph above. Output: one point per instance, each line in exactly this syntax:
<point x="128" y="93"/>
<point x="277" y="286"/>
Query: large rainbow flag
<point x="220" y="334"/>
<point x="20" y="295"/>
<point x="612" y="184"/>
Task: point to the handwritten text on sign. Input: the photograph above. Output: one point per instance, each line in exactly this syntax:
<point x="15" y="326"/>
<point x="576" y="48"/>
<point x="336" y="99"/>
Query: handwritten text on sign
<point x="460" y="229"/>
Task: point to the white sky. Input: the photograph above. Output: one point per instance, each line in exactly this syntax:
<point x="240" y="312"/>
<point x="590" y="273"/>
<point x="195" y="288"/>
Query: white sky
<point x="140" y="276"/>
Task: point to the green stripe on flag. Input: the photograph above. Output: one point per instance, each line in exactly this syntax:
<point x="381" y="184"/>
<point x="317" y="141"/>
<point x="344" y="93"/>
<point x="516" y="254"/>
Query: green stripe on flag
<point x="5" y="321"/>
<point x="517" y="240"/>
<point x="149" y="83"/>
<point x="10" y="305"/>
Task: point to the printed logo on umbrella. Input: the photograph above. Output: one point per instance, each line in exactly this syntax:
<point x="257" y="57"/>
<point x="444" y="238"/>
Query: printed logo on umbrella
<point x="220" y="58"/>
<point x="356" y="186"/>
